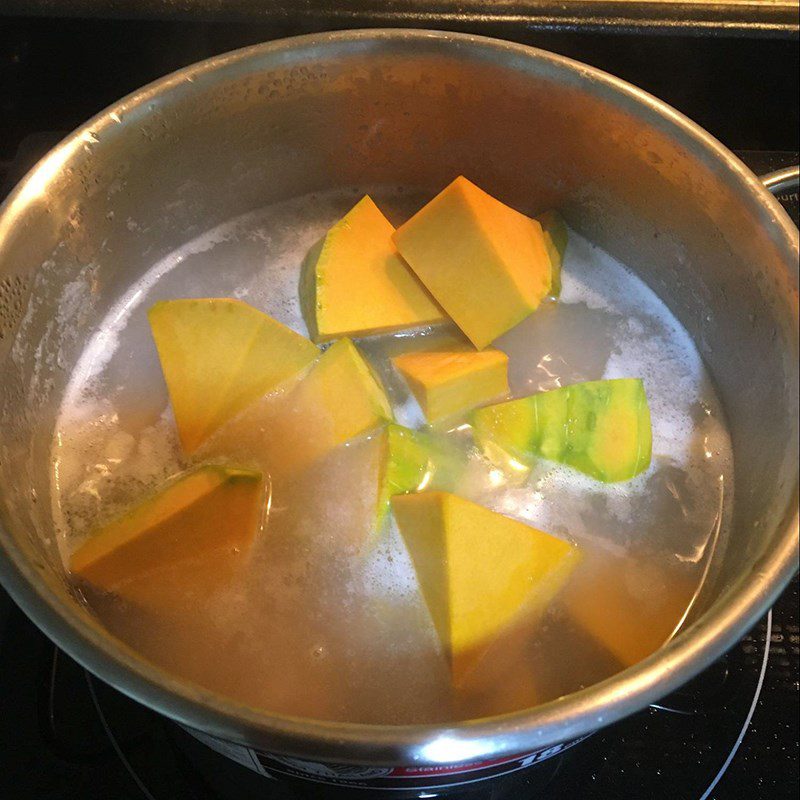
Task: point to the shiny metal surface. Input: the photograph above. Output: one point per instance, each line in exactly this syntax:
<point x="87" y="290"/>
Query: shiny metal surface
<point x="743" y="17"/>
<point x="782" y="180"/>
<point x="252" y="127"/>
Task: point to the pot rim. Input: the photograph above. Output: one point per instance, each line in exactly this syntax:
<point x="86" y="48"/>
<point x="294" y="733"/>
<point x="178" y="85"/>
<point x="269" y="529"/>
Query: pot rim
<point x="570" y="717"/>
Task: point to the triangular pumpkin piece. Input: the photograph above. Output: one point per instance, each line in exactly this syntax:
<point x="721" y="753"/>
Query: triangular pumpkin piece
<point x="478" y="570"/>
<point x="338" y="399"/>
<point x="210" y="508"/>
<point x="354" y="282"/>
<point x="218" y="356"/>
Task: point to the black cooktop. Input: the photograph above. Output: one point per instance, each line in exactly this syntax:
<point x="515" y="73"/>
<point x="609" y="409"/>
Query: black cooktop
<point x="732" y="733"/>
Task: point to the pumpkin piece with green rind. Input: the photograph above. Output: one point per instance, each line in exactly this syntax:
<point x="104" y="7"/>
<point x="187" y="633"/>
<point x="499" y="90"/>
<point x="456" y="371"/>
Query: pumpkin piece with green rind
<point x="354" y="283"/>
<point x="556" y="237"/>
<point x="601" y="428"/>
<point x="412" y="461"/>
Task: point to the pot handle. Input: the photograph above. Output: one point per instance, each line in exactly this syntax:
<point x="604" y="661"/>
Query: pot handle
<point x="782" y="180"/>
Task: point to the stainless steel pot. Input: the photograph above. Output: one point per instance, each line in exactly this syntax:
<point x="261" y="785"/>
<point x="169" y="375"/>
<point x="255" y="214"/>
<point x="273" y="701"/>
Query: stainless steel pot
<point x="259" y="125"/>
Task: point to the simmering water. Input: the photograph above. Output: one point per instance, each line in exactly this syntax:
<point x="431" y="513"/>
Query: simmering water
<point x="312" y="623"/>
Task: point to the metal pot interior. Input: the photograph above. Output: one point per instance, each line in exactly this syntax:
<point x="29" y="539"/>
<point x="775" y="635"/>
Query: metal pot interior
<point x="414" y="109"/>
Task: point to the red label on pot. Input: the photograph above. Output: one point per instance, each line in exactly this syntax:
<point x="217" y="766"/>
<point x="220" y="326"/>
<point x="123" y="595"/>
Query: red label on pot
<point x="405" y="777"/>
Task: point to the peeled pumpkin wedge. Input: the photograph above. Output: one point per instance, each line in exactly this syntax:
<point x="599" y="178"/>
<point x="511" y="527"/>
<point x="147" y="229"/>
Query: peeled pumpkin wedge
<point x="629" y="607"/>
<point x="478" y="570"/>
<point x="485" y="263"/>
<point x="338" y="399"/>
<point x="211" y="508"/>
<point x="218" y="356"/>
<point x="447" y="382"/>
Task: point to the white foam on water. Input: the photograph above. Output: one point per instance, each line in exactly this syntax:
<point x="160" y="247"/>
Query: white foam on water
<point x="649" y="343"/>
